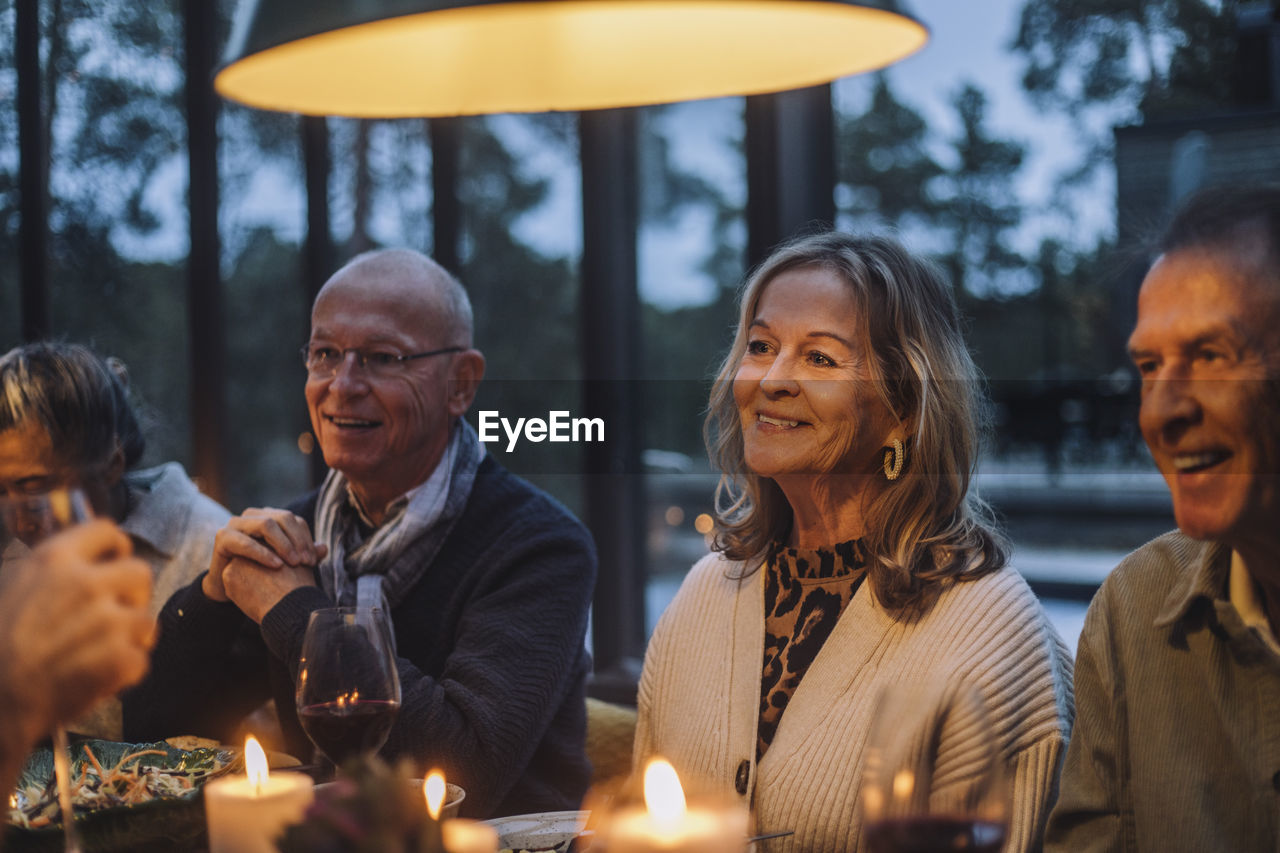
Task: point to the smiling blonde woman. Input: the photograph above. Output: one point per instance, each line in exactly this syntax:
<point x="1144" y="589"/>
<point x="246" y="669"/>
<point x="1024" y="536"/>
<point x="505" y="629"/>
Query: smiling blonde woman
<point x="849" y="553"/>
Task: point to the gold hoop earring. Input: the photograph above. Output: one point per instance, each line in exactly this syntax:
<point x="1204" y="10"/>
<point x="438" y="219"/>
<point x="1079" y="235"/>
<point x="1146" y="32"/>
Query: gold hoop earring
<point x="894" y="459"/>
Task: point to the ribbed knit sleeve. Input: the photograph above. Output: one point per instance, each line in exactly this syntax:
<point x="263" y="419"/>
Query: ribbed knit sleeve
<point x="1090" y="815"/>
<point x="1034" y="773"/>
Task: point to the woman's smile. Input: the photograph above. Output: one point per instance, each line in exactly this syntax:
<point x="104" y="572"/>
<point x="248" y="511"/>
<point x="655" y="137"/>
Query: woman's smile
<point x="806" y="398"/>
<point x="776" y="421"/>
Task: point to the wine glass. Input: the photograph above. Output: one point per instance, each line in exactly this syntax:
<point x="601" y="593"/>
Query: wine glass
<point x="934" y="779"/>
<point x="348" y="692"/>
<point x="32" y="518"/>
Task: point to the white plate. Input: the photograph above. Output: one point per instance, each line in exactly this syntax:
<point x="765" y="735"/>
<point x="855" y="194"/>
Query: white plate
<point x="542" y="831"/>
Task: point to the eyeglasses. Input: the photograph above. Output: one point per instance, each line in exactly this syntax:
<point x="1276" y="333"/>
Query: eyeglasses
<point x="323" y="361"/>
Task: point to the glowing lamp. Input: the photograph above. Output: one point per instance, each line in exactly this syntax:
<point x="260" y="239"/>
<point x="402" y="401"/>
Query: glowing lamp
<point x="395" y="58"/>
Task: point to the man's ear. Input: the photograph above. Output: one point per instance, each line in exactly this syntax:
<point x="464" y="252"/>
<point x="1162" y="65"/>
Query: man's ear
<point x="464" y="380"/>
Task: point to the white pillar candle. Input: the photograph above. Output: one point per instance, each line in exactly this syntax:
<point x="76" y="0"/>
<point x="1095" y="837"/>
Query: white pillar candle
<point x="469" y="836"/>
<point x="668" y="825"/>
<point x="701" y="830"/>
<point x="248" y="814"/>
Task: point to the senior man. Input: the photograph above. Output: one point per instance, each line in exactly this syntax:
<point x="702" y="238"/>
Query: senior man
<point x="487" y="580"/>
<point x="1177" y="738"/>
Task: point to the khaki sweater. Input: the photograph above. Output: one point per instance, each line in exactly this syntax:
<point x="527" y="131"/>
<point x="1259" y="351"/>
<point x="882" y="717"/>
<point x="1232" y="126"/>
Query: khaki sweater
<point x="700" y="689"/>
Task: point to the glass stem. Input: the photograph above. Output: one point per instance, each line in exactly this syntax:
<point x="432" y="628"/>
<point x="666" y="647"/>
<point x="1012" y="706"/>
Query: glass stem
<point x="62" y="771"/>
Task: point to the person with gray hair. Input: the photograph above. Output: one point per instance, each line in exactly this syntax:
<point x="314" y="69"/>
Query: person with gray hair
<point x="487" y="580"/>
<point x="1177" y="740"/>
<point x="849" y="555"/>
<point x="66" y="420"/>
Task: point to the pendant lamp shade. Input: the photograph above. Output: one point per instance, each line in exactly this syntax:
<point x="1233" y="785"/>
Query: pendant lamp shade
<point x="397" y="58"/>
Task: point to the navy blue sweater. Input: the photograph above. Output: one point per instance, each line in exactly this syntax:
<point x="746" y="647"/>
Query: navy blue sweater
<point x="491" y="656"/>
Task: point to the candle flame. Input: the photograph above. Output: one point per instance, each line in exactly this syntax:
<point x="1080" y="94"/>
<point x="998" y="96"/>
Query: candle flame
<point x="904" y="782"/>
<point x="663" y="796"/>
<point x="255" y="762"/>
<point x="433" y="790"/>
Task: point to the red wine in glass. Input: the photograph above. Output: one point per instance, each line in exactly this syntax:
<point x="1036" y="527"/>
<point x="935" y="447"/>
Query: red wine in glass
<point x="933" y="778"/>
<point x="343" y="730"/>
<point x="348" y="689"/>
<point x="935" y="834"/>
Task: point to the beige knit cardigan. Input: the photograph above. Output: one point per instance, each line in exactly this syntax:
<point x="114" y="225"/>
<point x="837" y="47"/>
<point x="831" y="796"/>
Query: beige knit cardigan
<point x="700" y="694"/>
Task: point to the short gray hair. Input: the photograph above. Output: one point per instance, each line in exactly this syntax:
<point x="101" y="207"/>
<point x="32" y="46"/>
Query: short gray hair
<point x="80" y="399"/>
<point x="1225" y="216"/>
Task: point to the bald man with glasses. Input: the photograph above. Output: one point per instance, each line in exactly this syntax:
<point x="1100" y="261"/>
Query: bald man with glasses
<point x="487" y="579"/>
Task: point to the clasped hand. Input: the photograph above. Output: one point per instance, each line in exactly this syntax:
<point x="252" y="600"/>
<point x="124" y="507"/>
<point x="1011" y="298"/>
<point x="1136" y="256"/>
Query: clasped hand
<point x="259" y="557"/>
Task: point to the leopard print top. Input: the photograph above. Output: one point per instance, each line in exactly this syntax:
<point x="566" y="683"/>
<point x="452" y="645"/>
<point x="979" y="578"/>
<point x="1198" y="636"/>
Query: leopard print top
<point x="804" y="594"/>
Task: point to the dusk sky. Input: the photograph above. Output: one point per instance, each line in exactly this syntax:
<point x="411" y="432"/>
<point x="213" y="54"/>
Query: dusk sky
<point x="968" y="41"/>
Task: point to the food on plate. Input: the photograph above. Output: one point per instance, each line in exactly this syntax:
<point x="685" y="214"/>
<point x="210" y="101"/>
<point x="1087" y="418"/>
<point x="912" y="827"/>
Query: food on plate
<point x="192" y="742"/>
<point x="138" y="774"/>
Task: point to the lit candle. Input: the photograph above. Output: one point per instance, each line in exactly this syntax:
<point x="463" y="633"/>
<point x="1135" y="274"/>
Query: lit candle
<point x="469" y="836"/>
<point x="433" y="790"/>
<point x="247" y="814"/>
<point x="667" y="824"/>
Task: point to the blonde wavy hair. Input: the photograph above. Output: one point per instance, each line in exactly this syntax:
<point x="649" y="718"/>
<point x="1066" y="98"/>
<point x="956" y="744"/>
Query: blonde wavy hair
<point x="927" y="529"/>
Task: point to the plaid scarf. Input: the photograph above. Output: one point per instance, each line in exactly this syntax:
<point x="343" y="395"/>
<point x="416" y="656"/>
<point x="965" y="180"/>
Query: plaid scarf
<point x="378" y="570"/>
